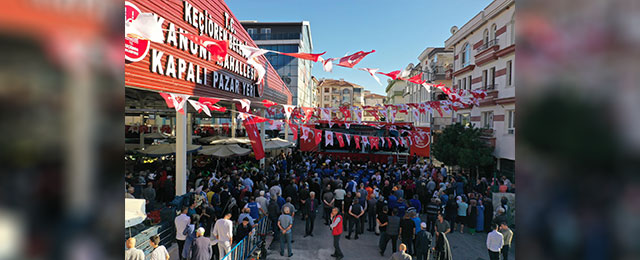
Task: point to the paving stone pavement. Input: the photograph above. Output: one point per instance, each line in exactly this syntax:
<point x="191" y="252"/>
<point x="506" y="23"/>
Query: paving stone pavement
<point x="320" y="246"/>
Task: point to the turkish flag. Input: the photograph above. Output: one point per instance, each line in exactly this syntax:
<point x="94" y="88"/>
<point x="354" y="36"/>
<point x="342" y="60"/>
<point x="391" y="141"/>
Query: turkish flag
<point x="393" y="75"/>
<point x="317" y="133"/>
<point x="348" y="138"/>
<point x="345" y="112"/>
<point x="268" y="103"/>
<point x="254" y="136"/>
<point x="356" y="138"/>
<point x="209" y="102"/>
<point x="353" y="59"/>
<point x="294" y="130"/>
<point x="218" y="49"/>
<point x="218" y="109"/>
<point x="340" y="141"/>
<point x="417" y="79"/>
<point x="374" y="142"/>
<point x="305" y="56"/>
<point x="308" y="112"/>
<point x="421" y="143"/>
<point x="328" y="138"/>
<point x="175" y="101"/>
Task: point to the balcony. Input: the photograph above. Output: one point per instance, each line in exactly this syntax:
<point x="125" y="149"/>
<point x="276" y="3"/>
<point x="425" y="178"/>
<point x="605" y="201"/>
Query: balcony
<point x="490" y="86"/>
<point x="275" y="36"/>
<point x="487" y="135"/>
<point x="488" y="45"/>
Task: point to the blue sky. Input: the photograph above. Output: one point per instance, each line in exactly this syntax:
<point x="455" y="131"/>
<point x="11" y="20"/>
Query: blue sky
<point x="398" y="30"/>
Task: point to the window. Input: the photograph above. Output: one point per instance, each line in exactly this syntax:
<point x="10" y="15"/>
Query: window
<point x="252" y="32"/>
<point x="509" y="72"/>
<point x="265" y="33"/>
<point x="511" y="119"/>
<point x="466" y="53"/>
<point x="346" y="96"/>
<point x="513" y="29"/>
<point x="459" y="84"/>
<point x="469" y="80"/>
<point x="487" y="120"/>
<point x="484" y="79"/>
<point x="464" y="119"/>
<point x="464" y="83"/>
<point x="326" y="98"/>
<point x="492" y="78"/>
<point x="326" y="90"/>
<point x="485" y="36"/>
<point x="493" y="31"/>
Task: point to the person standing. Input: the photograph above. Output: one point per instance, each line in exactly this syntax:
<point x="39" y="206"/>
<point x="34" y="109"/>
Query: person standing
<point x="508" y="236"/>
<point x="339" y="196"/>
<point x="423" y="242"/>
<point x="159" y="252"/>
<point x="401" y="254"/>
<point x="462" y="213"/>
<point x="480" y="218"/>
<point x="263" y="202"/>
<point x="273" y="211"/>
<point x="371" y="212"/>
<point x="201" y="247"/>
<point x="181" y="222"/>
<point x="495" y="241"/>
<point x="223" y="232"/>
<point x="383" y="222"/>
<point x="433" y="208"/>
<point x="393" y="229"/>
<point x="442" y="225"/>
<point x="285" y="224"/>
<point x="336" y="231"/>
<point x="255" y="209"/>
<point x="328" y="201"/>
<point x="355" y="211"/>
<point x="472" y="216"/>
<point x="190" y="232"/>
<point x="310" y="211"/>
<point x="407" y="232"/>
<point x="132" y="253"/>
<point x="244" y="229"/>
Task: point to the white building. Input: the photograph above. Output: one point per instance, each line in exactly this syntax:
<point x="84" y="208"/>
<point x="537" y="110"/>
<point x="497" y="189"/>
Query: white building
<point x="484" y="55"/>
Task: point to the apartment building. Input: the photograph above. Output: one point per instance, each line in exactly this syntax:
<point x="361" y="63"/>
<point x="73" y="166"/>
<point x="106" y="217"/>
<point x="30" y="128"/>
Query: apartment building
<point x="484" y="56"/>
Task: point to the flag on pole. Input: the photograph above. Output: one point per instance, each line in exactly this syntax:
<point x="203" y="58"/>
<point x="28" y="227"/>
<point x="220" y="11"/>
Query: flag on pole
<point x="252" y="131"/>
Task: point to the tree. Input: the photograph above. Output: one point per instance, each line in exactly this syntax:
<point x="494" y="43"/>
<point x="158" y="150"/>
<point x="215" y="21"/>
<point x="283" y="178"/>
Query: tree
<point x="462" y="146"/>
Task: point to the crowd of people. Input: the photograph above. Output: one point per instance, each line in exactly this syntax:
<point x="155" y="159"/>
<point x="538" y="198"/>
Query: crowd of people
<point x="416" y="204"/>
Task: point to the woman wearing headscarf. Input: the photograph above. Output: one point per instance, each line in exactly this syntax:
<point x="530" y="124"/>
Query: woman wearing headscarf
<point x="190" y="232"/>
<point x="480" y="218"/>
<point x="442" y="251"/>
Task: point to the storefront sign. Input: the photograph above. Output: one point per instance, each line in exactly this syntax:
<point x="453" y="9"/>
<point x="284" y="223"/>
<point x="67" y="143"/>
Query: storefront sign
<point x="181" y="59"/>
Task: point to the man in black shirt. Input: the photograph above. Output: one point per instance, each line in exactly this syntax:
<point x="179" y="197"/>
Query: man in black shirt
<point x="355" y="213"/>
<point x="407" y="232"/>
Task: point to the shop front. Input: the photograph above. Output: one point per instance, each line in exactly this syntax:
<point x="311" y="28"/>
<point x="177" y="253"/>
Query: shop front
<point x="180" y="66"/>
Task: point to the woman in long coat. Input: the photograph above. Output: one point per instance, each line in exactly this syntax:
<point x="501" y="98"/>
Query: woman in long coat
<point x="480" y="222"/>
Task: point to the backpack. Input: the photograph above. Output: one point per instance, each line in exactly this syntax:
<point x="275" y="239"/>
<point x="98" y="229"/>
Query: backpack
<point x="273" y="208"/>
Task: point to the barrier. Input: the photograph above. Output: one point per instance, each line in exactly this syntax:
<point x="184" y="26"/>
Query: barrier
<point x="248" y="244"/>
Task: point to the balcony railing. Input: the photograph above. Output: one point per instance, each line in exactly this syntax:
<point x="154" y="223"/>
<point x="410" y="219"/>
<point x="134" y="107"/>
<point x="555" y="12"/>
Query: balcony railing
<point x="488" y="44"/>
<point x="490" y="86"/>
<point x="275" y="36"/>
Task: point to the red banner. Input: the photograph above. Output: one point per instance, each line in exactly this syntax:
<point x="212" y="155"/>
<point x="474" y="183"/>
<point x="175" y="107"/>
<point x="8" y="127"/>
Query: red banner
<point x="421" y="142"/>
<point x="254" y="136"/>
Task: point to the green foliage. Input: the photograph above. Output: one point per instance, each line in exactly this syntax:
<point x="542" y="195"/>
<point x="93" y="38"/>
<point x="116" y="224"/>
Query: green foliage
<point x="462" y="146"/>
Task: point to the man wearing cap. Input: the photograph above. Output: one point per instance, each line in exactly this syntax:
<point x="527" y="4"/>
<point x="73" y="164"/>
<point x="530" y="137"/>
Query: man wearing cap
<point x="201" y="247"/>
<point x="423" y="242"/>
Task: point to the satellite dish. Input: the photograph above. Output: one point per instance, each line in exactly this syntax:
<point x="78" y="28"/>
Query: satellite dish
<point x="454" y="29"/>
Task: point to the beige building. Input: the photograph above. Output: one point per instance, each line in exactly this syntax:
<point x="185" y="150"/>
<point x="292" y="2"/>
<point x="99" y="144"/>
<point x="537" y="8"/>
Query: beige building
<point x="397" y="91"/>
<point x="436" y="65"/>
<point x="484" y="55"/>
<point x="372" y="99"/>
<point x="338" y="93"/>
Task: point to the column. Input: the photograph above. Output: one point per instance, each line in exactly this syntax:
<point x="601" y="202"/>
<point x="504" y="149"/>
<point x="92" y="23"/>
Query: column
<point x="189" y="139"/>
<point x="263" y="125"/>
<point x="233" y="123"/>
<point x="140" y="131"/>
<point x="181" y="152"/>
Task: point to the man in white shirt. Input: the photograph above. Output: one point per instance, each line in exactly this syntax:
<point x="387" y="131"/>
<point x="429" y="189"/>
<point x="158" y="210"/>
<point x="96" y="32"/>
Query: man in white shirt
<point x="223" y="232"/>
<point x="262" y="201"/>
<point x="181" y="222"/>
<point x="159" y="252"/>
<point x="495" y="241"/>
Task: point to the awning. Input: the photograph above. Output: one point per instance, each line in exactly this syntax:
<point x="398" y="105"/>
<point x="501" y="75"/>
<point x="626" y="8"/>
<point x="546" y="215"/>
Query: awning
<point x="166" y="149"/>
<point x="134" y="212"/>
<point x="224" y="150"/>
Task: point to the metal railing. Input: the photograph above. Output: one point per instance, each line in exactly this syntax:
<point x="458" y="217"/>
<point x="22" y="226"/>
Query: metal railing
<point x="166" y="233"/>
<point x="276" y="36"/>
<point x="248" y="244"/>
<point x="488" y="44"/>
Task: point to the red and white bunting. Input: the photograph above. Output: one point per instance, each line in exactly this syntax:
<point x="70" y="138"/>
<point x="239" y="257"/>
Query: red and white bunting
<point x="328" y="138"/>
<point x="200" y="107"/>
<point x="348" y="138"/>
